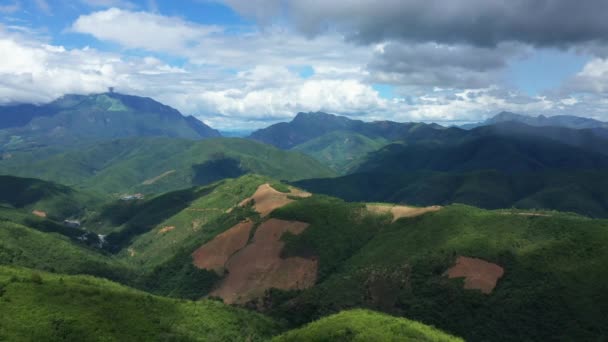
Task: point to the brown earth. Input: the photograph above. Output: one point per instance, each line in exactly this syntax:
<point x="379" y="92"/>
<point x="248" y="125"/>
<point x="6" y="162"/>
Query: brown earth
<point x="266" y="199"/>
<point x="157" y="178"/>
<point x="259" y="267"/>
<point x="399" y="211"/>
<point x="479" y="274"/>
<point x="214" y="254"/>
<point x="39" y="213"/>
<point x="166" y="229"/>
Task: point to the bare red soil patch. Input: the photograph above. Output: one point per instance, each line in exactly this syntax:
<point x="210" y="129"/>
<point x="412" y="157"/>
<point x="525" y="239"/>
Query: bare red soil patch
<point x="39" y="213"/>
<point x="399" y="211"/>
<point x="259" y="266"/>
<point x="266" y="198"/>
<point x="214" y="254"/>
<point x="479" y="274"/>
<point x="166" y="229"/>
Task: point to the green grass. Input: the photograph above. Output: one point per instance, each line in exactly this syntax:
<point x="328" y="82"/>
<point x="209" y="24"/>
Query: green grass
<point x="364" y="326"/>
<point x="39" y="306"/>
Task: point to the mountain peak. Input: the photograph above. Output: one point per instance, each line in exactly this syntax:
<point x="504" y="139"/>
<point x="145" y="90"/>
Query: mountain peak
<point x="99" y="116"/>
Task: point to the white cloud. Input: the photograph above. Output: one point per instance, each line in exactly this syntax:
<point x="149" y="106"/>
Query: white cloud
<point x="143" y="30"/>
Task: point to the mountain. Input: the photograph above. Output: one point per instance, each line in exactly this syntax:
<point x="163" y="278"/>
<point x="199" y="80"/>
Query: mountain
<point x="73" y="119"/>
<point x="307" y="126"/>
<point x="508" y="154"/>
<point x="584" y="192"/>
<point x="48" y="199"/>
<point x="543" y="269"/>
<point x="340" y="150"/>
<point x="158" y="164"/>
<point x="568" y="121"/>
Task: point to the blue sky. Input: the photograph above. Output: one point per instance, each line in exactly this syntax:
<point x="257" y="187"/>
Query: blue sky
<point x="240" y="64"/>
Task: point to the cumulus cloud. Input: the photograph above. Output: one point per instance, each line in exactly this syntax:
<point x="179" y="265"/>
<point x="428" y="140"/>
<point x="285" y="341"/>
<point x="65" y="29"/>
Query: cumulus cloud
<point x="477" y="22"/>
<point x="142" y="30"/>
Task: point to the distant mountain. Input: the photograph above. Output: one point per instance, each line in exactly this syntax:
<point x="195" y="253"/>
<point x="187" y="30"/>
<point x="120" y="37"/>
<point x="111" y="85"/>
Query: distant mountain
<point x="158" y="164"/>
<point x="503" y="153"/>
<point x="339" y="142"/>
<point x="307" y="126"/>
<point x="568" y="121"/>
<point x="75" y="118"/>
<point x="340" y="150"/>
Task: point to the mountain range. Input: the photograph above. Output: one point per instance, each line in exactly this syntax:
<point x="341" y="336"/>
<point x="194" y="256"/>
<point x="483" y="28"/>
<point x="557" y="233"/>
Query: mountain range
<point x="568" y="121"/>
<point x="121" y="219"/>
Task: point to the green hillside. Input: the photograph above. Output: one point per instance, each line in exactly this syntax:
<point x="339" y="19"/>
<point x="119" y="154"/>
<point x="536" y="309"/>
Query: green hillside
<point x="553" y="287"/>
<point x="56" y="201"/>
<point x="153" y="165"/>
<point x="583" y="192"/>
<point x="364" y="326"/>
<point x="39" y="306"/>
<point x="340" y="150"/>
<point x="27" y="247"/>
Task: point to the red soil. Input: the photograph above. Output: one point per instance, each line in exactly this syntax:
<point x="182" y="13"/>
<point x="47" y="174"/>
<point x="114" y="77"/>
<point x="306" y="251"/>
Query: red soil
<point x="266" y="199"/>
<point x="39" y="213"/>
<point x="479" y="274"/>
<point x="259" y="267"/>
<point x="214" y="254"/>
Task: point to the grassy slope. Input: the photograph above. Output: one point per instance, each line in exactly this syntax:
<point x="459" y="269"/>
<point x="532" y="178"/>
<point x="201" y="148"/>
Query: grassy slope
<point x="40" y="306"/>
<point x="363" y="326"/>
<point x="340" y="150"/>
<point x="23" y="246"/>
<point x="554" y="285"/>
<point x="123" y="166"/>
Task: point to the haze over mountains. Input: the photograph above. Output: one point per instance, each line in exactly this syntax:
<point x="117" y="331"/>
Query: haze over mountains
<point x="313" y="229"/>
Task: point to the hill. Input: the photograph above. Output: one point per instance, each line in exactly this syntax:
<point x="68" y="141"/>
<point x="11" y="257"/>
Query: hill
<point x="535" y="275"/>
<point x="74" y="119"/>
<point x="583" y="192"/>
<point x="154" y="165"/>
<point x="509" y="154"/>
<point x="43" y="306"/>
<point x="28" y="247"/>
<point x="363" y="325"/>
<point x="340" y="150"/>
<point x="47" y="199"/>
<point x="567" y="121"/>
<point x="254" y="242"/>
